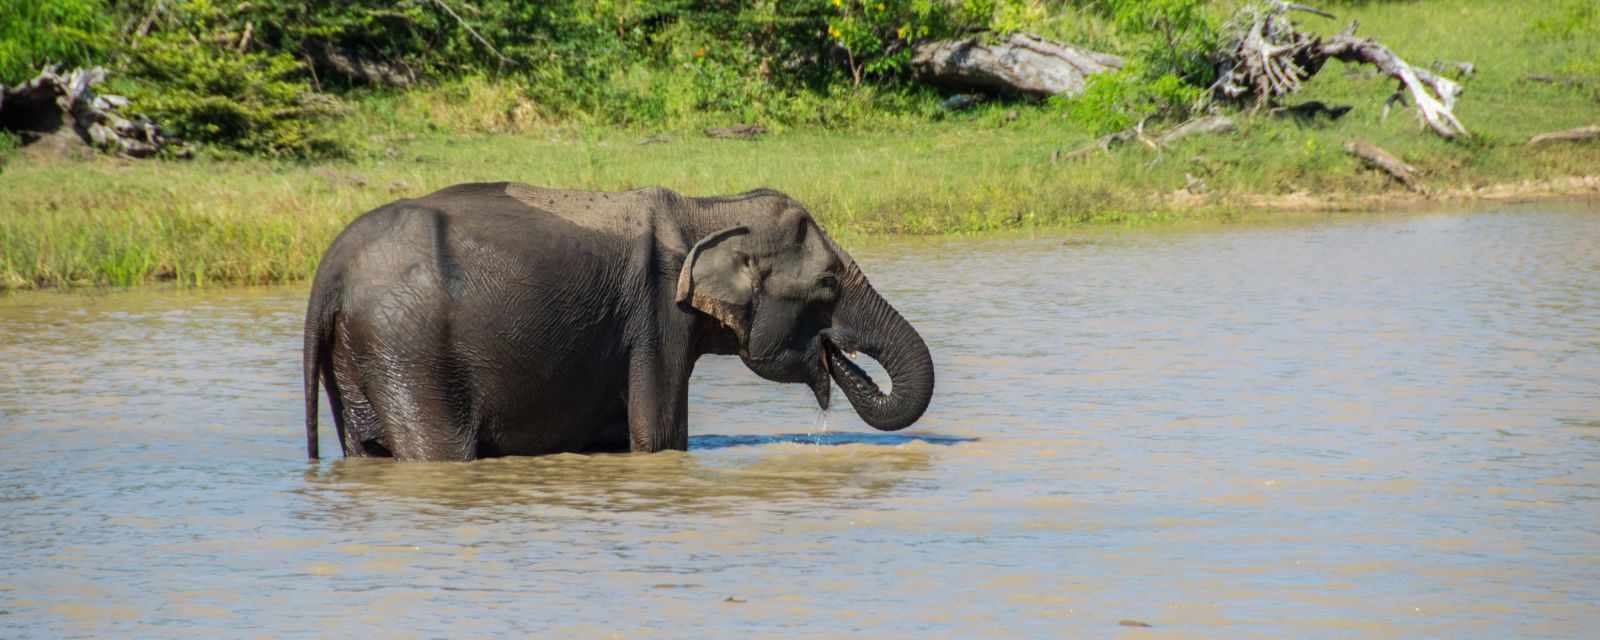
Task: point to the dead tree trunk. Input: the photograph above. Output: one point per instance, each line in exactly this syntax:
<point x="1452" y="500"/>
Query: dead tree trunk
<point x="1022" y="63"/>
<point x="50" y="104"/>
<point x="1267" y="58"/>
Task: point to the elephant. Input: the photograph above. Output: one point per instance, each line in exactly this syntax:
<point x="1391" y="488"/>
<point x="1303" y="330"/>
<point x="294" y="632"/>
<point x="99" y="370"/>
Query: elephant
<point x="494" y="319"/>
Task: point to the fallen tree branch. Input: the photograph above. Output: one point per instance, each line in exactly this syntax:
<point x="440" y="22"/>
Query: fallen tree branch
<point x="1579" y="134"/>
<point x="1386" y="162"/>
<point x="1022" y="63"/>
<point x="1436" y="109"/>
<point x="1198" y="126"/>
<point x="1103" y="143"/>
<point x="1268" y="58"/>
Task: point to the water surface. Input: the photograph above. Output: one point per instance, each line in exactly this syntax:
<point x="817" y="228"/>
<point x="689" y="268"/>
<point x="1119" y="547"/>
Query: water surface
<point x="1358" y="425"/>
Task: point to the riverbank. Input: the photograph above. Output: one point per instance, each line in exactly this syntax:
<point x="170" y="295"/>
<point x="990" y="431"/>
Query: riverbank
<point x="108" y="222"/>
<point x="871" y="170"/>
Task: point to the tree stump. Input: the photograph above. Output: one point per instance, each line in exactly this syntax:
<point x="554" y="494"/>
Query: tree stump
<point x="51" y="105"/>
<point x="1266" y="58"/>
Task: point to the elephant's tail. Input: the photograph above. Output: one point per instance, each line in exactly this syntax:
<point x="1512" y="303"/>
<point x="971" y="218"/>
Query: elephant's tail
<point x="318" y="330"/>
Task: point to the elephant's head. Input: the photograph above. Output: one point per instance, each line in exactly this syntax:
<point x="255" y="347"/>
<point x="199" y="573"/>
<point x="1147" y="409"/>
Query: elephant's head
<point x="799" y="308"/>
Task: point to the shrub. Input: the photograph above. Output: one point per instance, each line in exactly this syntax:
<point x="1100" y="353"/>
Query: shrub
<point x="250" y="102"/>
<point x="1177" y="37"/>
<point x="1118" y="100"/>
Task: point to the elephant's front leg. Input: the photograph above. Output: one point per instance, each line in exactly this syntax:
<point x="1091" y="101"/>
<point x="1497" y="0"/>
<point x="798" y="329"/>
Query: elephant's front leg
<point x="658" y="404"/>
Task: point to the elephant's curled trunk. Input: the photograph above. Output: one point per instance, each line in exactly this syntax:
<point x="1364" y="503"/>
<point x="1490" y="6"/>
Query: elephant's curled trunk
<point x="865" y="322"/>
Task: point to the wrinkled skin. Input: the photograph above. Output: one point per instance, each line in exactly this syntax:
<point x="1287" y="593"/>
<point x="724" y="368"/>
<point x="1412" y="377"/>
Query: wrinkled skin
<point x="501" y="319"/>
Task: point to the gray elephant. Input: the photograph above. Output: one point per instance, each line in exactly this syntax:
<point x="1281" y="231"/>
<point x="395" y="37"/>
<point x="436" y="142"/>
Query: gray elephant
<point x="502" y="319"/>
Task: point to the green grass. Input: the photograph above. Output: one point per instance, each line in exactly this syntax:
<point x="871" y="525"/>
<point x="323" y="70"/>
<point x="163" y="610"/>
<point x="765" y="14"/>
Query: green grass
<point x="122" y="223"/>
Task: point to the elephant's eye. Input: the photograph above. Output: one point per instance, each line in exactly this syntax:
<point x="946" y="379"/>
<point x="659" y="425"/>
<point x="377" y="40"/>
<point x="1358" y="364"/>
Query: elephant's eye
<point x="828" y="281"/>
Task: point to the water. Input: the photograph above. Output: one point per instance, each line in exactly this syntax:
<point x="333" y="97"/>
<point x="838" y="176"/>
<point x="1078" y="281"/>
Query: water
<point x="1359" y="425"/>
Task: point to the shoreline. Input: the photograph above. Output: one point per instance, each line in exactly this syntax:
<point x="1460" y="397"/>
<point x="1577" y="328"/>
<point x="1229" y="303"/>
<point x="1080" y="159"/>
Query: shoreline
<point x="1170" y="209"/>
<point x="1585" y="187"/>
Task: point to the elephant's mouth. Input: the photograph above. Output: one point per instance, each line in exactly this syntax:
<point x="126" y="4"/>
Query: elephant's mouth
<point x="817" y="377"/>
<point x="839" y="348"/>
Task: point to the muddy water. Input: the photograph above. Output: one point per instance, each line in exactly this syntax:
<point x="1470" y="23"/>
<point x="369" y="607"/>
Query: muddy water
<point x="1351" y="426"/>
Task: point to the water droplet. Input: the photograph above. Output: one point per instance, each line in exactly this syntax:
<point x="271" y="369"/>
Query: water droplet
<point x="824" y="420"/>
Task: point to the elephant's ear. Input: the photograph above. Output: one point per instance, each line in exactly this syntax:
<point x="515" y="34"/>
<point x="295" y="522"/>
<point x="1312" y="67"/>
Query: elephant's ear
<point x="716" y="277"/>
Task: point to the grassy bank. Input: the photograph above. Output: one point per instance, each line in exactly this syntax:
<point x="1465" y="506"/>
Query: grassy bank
<point x="118" y="222"/>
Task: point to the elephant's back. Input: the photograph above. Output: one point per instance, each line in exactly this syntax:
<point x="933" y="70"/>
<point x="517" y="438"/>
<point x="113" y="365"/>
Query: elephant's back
<point x="615" y="215"/>
<point x="474" y="229"/>
<point x="473" y="272"/>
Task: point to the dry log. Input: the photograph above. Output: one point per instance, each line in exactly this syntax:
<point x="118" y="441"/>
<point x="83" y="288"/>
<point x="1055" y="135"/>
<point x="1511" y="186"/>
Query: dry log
<point x="1579" y="134"/>
<point x="1103" y="143"/>
<point x="1566" y="81"/>
<point x="340" y="63"/>
<point x="1386" y="162"/>
<point x="1267" y="58"/>
<point x="1197" y="126"/>
<point x="53" y="104"/>
<point x="1022" y="63"/>
<point x="738" y="131"/>
<point x="1202" y="125"/>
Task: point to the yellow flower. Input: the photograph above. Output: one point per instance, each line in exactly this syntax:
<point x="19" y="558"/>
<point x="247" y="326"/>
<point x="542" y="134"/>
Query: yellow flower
<point x="837" y="3"/>
<point x="901" y="32"/>
<point x="832" y="31"/>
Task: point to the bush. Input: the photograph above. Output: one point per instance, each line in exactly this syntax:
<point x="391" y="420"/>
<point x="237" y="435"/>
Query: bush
<point x="245" y="102"/>
<point x="1116" y="101"/>
<point x="1177" y="37"/>
<point x="644" y="63"/>
<point x="1168" y="73"/>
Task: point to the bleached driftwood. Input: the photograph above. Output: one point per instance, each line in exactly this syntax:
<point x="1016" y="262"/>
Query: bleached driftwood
<point x="1203" y="125"/>
<point x="52" y="103"/>
<point x="1197" y="126"/>
<point x="1266" y="58"/>
<point x="1386" y="162"/>
<point x="1579" y="134"/>
<point x="1022" y="63"/>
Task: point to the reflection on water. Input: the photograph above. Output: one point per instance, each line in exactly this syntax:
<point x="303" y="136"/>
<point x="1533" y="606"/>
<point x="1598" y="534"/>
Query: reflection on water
<point x="670" y="482"/>
<point x="1354" y="426"/>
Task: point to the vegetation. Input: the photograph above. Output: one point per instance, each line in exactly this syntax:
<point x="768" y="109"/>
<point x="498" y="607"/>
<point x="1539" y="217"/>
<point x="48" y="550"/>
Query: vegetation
<point x="569" y="91"/>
